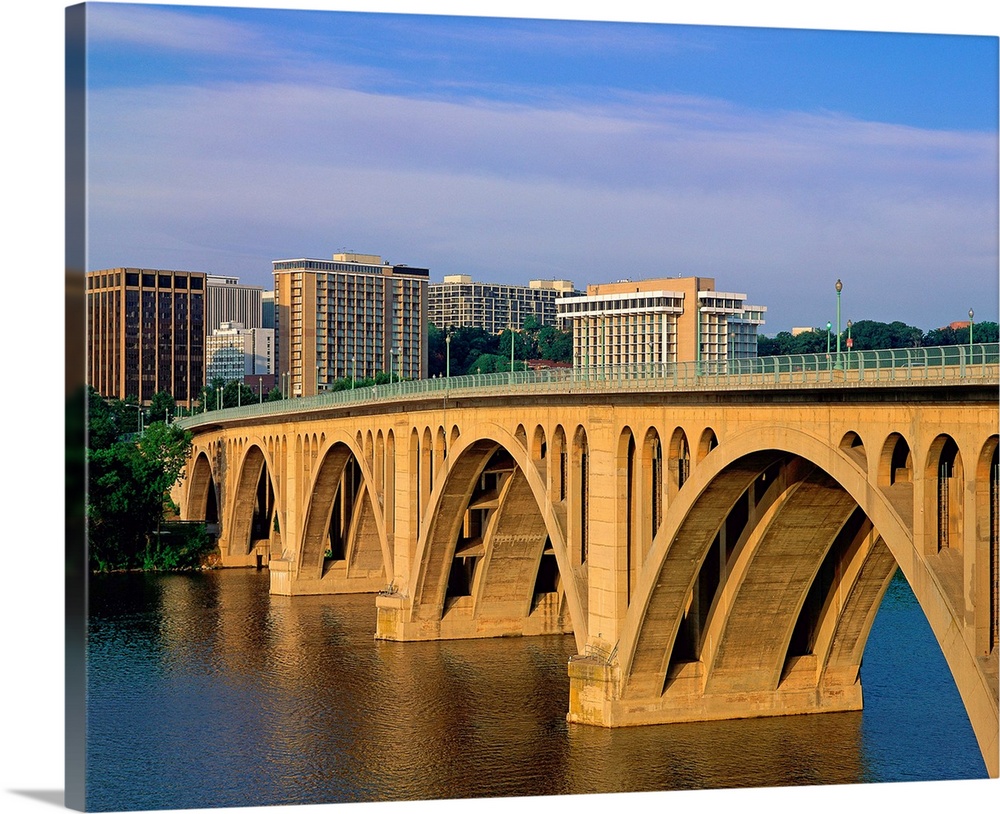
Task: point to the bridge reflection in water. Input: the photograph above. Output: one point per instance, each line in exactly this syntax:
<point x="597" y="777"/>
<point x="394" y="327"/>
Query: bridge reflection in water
<point x="717" y="541"/>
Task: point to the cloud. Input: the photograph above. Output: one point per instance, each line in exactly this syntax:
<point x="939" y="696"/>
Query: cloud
<point x="636" y="186"/>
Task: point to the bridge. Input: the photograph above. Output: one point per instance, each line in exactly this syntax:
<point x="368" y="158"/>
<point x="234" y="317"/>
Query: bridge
<point x="717" y="540"/>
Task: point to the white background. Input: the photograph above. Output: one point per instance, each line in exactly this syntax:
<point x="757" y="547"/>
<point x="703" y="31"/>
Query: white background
<point x="31" y="534"/>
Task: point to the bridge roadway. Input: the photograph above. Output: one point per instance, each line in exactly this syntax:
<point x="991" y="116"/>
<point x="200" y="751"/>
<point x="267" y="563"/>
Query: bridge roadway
<point x="717" y="542"/>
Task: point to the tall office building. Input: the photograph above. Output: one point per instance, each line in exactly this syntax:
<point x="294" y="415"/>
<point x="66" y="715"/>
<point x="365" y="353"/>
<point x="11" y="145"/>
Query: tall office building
<point x="459" y="302"/>
<point x="267" y="309"/>
<point x="352" y="316"/>
<point x="234" y="352"/>
<point x="146" y="333"/>
<point x="665" y="320"/>
<point x="226" y="300"/>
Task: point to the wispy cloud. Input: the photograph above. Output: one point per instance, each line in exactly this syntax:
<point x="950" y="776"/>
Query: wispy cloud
<point x="151" y="26"/>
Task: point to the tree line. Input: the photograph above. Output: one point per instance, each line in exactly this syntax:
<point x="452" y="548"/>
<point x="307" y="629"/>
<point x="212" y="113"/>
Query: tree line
<point x="134" y="455"/>
<point x="474" y="350"/>
<point x="868" y="334"/>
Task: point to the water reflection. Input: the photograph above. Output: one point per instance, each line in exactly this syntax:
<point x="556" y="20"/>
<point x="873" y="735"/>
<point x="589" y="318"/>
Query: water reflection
<point x="205" y="691"/>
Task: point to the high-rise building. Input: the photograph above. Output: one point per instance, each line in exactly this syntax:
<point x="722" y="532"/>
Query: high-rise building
<point x="146" y="333"/>
<point x="234" y="352"/>
<point x="652" y="322"/>
<point x="226" y="300"/>
<point x="459" y="302"/>
<point x="267" y="309"/>
<point x="352" y="316"/>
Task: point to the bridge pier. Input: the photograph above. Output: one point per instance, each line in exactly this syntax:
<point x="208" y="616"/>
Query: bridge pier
<point x="596" y="696"/>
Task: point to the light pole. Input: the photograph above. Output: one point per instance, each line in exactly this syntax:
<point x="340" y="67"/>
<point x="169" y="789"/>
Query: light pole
<point x="354" y="371"/>
<point x="971" y="315"/>
<point x="828" y="327"/>
<point x="850" y="342"/>
<point x="447" y="357"/>
<point x="839" y="287"/>
<point x="512" y="350"/>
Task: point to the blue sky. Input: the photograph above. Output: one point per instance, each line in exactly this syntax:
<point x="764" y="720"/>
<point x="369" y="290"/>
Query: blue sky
<point x="774" y="160"/>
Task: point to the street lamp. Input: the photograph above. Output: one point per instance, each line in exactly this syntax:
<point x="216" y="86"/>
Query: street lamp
<point x="850" y="342"/>
<point x="828" y="327"/>
<point x="354" y="371"/>
<point x="447" y="356"/>
<point x="839" y="287"/>
<point x="971" y="315"/>
<point x="260" y="388"/>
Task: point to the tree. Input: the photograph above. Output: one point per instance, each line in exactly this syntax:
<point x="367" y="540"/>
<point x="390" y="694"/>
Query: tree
<point x="161" y="406"/>
<point x="128" y="492"/>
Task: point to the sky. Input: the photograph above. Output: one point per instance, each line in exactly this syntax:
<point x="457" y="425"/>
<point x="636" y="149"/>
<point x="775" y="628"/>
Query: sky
<point x="602" y="194"/>
<point x="773" y="160"/>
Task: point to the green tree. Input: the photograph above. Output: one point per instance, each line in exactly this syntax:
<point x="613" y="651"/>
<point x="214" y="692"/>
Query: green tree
<point x="162" y="407"/>
<point x="555" y="345"/>
<point x="128" y="493"/>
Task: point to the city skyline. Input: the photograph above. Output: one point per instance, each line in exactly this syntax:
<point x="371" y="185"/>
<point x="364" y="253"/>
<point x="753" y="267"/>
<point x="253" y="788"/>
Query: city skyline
<point x="222" y="139"/>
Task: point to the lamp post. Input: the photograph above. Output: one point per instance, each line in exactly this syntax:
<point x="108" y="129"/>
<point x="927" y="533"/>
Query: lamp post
<point x="850" y="342"/>
<point x="839" y="287"/>
<point x="828" y="327"/>
<point x="447" y="356"/>
<point x="971" y="315"/>
<point x="512" y="351"/>
<point x="392" y="362"/>
<point x="260" y="388"/>
<point x="354" y="371"/>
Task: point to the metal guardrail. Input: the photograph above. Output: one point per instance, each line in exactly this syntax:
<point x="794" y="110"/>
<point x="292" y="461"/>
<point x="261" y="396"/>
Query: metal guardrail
<point x="901" y="367"/>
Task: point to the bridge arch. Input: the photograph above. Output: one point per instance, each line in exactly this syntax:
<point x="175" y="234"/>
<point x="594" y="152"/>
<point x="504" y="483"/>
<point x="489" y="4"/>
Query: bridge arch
<point x="691" y="527"/>
<point x="203" y="491"/>
<point x="519" y="519"/>
<point x="256" y="498"/>
<point x="333" y="488"/>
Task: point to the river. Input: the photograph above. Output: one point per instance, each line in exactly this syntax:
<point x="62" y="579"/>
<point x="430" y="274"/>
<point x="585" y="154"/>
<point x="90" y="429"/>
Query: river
<point x="204" y="691"/>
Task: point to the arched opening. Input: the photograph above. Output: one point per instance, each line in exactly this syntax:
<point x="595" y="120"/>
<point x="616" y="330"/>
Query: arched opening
<point x="987" y="535"/>
<point x="470" y="546"/>
<point x="707" y="443"/>
<point x="558" y="466"/>
<point x="944" y="492"/>
<point x="579" y="478"/>
<point x="895" y="463"/>
<point x="678" y="462"/>
<point x="538" y="447"/>
<point x="342" y="513"/>
<point x="389" y="502"/>
<point x="626" y="507"/>
<point x="652" y="466"/>
<point x="852" y="444"/>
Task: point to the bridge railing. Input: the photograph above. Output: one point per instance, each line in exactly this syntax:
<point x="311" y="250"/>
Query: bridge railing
<point x="850" y="369"/>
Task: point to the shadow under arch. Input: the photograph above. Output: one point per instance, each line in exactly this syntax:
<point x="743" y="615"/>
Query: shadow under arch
<point x="444" y="515"/>
<point x="336" y="452"/>
<point x="647" y="637"/>
<point x="202" y="492"/>
<point x="256" y="470"/>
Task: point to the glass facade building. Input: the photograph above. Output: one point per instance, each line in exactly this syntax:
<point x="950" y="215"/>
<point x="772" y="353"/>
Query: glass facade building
<point x="146" y="333"/>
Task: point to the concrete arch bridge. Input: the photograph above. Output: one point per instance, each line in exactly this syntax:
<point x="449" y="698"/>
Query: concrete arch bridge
<point x="717" y="542"/>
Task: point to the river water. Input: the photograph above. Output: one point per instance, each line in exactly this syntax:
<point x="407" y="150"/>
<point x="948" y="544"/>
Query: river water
<point x="204" y="690"/>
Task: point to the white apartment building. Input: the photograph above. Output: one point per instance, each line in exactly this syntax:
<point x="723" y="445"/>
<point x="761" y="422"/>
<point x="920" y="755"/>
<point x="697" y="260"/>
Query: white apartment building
<point x="235" y="352"/>
<point x="459" y="302"/>
<point x="226" y="300"/>
<point x="352" y="316"/>
<point x="660" y="321"/>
